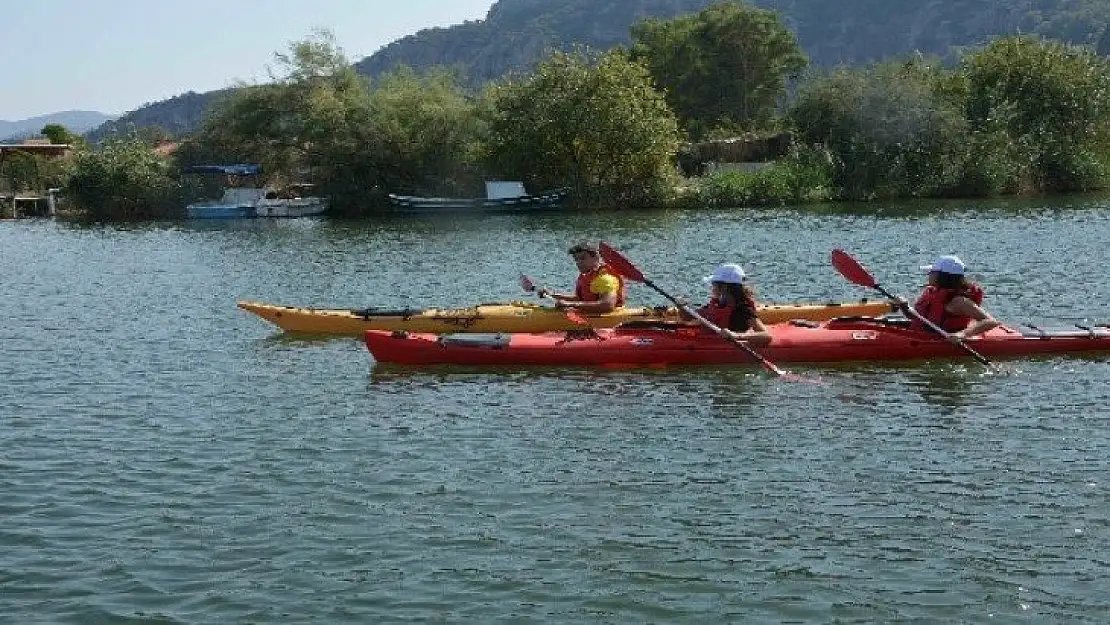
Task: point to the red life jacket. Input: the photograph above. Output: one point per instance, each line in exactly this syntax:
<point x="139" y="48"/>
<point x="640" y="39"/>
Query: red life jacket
<point x="933" y="305"/>
<point x="582" y="290"/>
<point x="735" y="317"/>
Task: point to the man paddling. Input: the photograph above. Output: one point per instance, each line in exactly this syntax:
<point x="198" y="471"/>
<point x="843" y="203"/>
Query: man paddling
<point x="597" y="289"/>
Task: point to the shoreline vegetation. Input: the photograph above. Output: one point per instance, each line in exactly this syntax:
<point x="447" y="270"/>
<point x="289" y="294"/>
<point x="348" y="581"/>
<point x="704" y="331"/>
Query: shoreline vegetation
<point x="1019" y="116"/>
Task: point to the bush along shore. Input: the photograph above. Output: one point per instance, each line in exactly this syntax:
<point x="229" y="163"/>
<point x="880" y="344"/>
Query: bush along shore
<point x="1018" y="116"/>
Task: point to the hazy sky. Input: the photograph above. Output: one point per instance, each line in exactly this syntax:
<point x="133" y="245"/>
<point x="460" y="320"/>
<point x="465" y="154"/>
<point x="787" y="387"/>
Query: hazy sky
<point x="113" y="56"/>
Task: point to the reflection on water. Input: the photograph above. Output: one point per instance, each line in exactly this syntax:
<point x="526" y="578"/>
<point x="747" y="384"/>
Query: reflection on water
<point x="946" y="386"/>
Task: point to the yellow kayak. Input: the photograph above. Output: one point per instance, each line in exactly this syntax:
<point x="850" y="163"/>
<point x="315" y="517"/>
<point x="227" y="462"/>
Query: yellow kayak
<point x="513" y="317"/>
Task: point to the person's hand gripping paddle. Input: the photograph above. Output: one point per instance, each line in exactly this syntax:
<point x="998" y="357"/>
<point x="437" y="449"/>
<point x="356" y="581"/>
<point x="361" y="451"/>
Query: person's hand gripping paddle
<point x="529" y="286"/>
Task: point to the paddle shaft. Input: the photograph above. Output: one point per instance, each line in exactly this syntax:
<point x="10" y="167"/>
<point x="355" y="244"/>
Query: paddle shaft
<point x="932" y="326"/>
<point x="770" y="366"/>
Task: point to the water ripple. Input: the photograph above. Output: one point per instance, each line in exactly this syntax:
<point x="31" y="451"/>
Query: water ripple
<point x="165" y="458"/>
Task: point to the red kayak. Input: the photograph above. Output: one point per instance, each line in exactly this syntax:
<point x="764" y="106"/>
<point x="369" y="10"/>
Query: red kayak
<point x="839" y="340"/>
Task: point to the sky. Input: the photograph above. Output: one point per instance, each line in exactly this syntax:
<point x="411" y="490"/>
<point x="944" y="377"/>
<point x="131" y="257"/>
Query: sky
<point x="114" y="56"/>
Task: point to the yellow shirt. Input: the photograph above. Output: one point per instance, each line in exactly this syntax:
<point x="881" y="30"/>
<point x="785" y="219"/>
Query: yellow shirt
<point x="605" y="284"/>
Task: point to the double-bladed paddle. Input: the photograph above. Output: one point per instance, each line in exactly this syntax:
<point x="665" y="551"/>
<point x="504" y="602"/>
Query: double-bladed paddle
<point x="856" y="273"/>
<point x="624" y="268"/>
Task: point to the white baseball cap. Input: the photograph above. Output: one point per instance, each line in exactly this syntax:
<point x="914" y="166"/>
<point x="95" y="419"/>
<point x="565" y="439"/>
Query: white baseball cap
<point x="728" y="272"/>
<point x="947" y="264"/>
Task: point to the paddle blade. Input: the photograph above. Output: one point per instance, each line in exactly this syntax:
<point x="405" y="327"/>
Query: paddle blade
<point x="619" y="264"/>
<point x="527" y="284"/>
<point x="851" y="269"/>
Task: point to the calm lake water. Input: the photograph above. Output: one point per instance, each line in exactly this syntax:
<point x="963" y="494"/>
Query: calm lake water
<point x="168" y="458"/>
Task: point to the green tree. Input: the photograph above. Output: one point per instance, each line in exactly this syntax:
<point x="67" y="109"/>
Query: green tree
<point x="357" y="141"/>
<point x="726" y="65"/>
<point x="596" y="125"/>
<point x="123" y="179"/>
<point x="408" y="134"/>
<point x="1053" y="99"/>
<point x="57" y="133"/>
<point x="892" y="130"/>
<point x="274" y="123"/>
<point x="20" y="171"/>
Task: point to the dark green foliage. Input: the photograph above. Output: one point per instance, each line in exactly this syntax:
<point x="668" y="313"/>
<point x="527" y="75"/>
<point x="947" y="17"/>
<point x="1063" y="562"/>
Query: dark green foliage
<point x="597" y="126"/>
<point x="123" y="179"/>
<point x="1050" y="96"/>
<point x="1021" y="115"/>
<point x="724" y="66"/>
<point x="57" y="133"/>
<point x="409" y="134"/>
<point x="889" y="131"/>
<point x="323" y="122"/>
<point x="20" y="171"/>
<point x="803" y="176"/>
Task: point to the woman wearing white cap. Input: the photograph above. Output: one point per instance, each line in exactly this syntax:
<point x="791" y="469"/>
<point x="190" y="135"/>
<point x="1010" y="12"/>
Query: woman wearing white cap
<point x="732" y="305"/>
<point x="952" y="302"/>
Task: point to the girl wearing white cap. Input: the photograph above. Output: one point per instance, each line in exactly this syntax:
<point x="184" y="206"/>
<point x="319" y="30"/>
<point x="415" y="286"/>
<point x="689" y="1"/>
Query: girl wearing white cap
<point x="732" y="305"/>
<point x="952" y="302"/>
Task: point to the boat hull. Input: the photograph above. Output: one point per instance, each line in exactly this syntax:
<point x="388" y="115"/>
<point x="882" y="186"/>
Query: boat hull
<point x="220" y="211"/>
<point x="828" y="342"/>
<point x="413" y="204"/>
<point x="291" y="208"/>
<point x="511" y="317"/>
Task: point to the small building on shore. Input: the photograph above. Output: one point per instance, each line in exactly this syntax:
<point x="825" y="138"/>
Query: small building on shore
<point x="29" y="202"/>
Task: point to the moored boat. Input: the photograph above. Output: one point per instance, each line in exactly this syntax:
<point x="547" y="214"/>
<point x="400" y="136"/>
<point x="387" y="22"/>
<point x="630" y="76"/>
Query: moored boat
<point x="247" y="202"/>
<point x="837" y="340"/>
<point x="511" y="317"/>
<point x="501" y="196"/>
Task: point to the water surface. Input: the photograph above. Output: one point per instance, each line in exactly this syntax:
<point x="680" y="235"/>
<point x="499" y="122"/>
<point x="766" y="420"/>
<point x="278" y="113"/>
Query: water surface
<point x="167" y="458"/>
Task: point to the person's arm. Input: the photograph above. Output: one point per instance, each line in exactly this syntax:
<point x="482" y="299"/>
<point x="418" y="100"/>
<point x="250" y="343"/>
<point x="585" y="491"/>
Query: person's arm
<point x="606" y="302"/>
<point x="605" y="287"/>
<point x="558" y="297"/>
<point x="983" y="321"/>
<point x="757" y="335"/>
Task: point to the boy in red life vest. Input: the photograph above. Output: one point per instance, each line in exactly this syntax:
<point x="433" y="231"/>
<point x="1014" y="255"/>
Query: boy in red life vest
<point x="732" y="306"/>
<point x="597" y="290"/>
<point x="952" y="302"/>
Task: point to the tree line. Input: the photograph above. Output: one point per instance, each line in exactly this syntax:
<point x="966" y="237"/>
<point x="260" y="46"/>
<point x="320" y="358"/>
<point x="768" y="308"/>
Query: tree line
<point x="1019" y="115"/>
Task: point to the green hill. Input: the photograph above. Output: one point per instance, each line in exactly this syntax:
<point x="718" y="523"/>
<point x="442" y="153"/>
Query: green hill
<point x="516" y="33"/>
<point x="74" y="121"/>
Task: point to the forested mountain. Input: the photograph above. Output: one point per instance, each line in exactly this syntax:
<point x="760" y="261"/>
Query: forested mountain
<point x="177" y="116"/>
<point x="516" y="33"/>
<point x="75" y="121"/>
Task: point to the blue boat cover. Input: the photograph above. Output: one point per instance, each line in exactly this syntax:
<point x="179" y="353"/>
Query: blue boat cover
<point x="233" y="170"/>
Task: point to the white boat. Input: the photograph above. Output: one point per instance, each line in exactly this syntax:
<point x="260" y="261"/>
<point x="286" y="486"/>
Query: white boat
<point x="292" y="201"/>
<point x="250" y="202"/>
